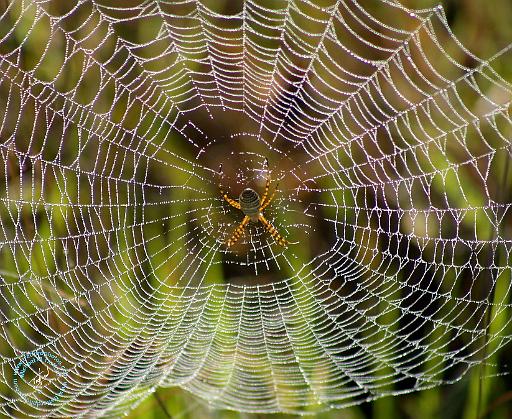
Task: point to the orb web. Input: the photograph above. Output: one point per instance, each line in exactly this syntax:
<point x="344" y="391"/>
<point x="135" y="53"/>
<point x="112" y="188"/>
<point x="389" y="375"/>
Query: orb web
<point x="388" y="145"/>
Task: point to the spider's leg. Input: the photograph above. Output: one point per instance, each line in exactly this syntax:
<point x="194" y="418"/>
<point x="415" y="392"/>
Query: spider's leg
<point x="267" y="185"/>
<point x="269" y="200"/>
<point x="273" y="231"/>
<point x="230" y="201"/>
<point x="238" y="232"/>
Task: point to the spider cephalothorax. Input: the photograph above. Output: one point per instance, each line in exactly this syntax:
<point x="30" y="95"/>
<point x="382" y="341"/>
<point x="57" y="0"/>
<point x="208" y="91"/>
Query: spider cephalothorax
<point x="250" y="203"/>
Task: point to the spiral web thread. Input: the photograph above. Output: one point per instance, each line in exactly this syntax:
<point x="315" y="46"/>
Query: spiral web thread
<point x="390" y="140"/>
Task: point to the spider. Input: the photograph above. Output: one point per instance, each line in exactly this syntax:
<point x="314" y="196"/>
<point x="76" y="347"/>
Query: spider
<point x="250" y="203"/>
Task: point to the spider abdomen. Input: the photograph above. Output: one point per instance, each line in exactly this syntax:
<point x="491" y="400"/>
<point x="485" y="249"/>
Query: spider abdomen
<point x="250" y="203"/>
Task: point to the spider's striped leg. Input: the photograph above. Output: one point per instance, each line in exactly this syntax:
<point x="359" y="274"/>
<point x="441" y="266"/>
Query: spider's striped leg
<point x="273" y="231"/>
<point x="238" y="232"/>
<point x="230" y="201"/>
<point x="265" y="204"/>
<point x="267" y="186"/>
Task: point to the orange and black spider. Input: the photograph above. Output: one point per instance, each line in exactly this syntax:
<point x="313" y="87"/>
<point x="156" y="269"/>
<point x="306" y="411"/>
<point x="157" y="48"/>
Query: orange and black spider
<point x="250" y="203"/>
